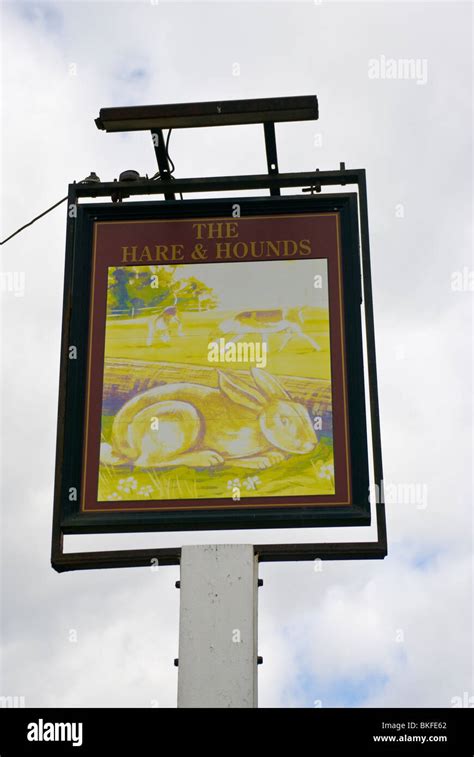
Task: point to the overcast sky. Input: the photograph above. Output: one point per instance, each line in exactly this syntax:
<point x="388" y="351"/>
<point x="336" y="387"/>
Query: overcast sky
<point x="392" y="633"/>
<point x="288" y="285"/>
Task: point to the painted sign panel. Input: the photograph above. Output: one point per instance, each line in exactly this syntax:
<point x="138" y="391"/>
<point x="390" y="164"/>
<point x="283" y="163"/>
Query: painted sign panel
<point x="220" y="382"/>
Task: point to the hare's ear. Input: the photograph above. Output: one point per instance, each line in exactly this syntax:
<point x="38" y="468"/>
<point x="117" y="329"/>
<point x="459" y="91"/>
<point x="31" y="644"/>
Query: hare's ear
<point x="237" y="391"/>
<point x="269" y="385"/>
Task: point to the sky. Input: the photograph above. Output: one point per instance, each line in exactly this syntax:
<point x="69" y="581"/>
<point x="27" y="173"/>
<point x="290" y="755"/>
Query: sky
<point x="288" y="285"/>
<point x="392" y="633"/>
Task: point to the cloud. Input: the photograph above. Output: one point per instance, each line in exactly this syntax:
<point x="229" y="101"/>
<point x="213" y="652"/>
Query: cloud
<point x="356" y="633"/>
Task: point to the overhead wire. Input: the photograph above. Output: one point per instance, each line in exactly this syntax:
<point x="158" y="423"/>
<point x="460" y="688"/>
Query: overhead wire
<point x="59" y="202"/>
<point x="34" y="219"/>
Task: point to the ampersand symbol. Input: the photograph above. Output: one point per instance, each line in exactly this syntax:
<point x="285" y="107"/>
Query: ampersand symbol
<point x="199" y="253"/>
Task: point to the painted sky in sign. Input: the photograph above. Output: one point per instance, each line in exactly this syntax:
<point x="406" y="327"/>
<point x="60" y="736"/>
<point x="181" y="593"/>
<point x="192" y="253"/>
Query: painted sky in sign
<point x="281" y="283"/>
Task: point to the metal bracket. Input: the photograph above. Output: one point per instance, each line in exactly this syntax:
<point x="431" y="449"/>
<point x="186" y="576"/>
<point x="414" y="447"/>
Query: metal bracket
<point x="62" y="561"/>
<point x="162" y="159"/>
<point x="271" y="149"/>
<point x="266" y="111"/>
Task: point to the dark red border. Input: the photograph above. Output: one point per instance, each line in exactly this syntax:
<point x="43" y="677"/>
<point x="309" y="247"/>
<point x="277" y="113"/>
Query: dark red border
<point x="322" y="229"/>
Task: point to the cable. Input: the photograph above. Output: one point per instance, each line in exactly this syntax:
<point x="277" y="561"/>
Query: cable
<point x="30" y="223"/>
<point x="34" y="219"/>
<point x="168" y="156"/>
<point x="157" y="175"/>
<point x="166" y="150"/>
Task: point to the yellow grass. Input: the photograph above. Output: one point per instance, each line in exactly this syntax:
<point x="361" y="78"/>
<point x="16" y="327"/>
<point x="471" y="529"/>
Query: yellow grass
<point x="127" y="339"/>
<point x="299" y="475"/>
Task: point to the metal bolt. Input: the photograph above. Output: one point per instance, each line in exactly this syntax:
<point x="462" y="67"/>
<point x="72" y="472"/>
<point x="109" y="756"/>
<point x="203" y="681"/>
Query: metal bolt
<point x="178" y="584"/>
<point x="259" y="660"/>
<point x="260" y="582"/>
<point x="176" y="662"/>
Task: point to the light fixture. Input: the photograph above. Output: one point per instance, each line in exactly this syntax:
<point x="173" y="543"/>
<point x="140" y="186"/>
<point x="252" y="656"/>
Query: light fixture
<point x="219" y="113"/>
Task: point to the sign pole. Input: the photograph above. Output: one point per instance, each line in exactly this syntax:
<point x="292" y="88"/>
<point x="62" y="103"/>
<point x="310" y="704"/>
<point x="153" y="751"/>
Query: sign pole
<point x="217" y="665"/>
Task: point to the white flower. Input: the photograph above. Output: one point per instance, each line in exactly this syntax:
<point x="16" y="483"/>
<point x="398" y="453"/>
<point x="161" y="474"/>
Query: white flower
<point x="127" y="484"/>
<point x="145" y="491"/>
<point x="252" y="482"/>
<point x="231" y="484"/>
<point x="114" y="496"/>
<point x="326" y="471"/>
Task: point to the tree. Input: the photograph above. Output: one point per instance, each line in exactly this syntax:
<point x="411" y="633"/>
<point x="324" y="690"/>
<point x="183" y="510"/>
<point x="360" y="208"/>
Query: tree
<point x="133" y="289"/>
<point x="195" y="295"/>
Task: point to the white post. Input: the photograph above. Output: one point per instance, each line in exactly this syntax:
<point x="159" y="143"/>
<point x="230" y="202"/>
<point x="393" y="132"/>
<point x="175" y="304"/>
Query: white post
<point x="217" y="664"/>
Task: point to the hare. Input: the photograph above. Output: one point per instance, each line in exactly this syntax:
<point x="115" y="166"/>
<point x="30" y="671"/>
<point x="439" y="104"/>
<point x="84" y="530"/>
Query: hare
<point x="251" y="426"/>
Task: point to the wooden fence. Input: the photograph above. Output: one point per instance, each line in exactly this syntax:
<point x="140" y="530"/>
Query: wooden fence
<point x="125" y="378"/>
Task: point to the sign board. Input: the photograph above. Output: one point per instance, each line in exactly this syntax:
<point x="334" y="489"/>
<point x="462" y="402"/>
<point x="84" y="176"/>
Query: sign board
<point x="212" y="374"/>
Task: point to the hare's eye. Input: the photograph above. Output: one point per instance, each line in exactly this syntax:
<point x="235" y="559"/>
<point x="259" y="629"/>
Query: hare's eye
<point x="284" y="421"/>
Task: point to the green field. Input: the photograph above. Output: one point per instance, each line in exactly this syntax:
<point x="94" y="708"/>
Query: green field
<point x="126" y="338"/>
<point x="301" y="475"/>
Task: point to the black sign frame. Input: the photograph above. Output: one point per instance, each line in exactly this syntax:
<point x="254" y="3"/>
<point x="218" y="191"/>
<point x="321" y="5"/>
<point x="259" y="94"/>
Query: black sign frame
<point x="68" y="520"/>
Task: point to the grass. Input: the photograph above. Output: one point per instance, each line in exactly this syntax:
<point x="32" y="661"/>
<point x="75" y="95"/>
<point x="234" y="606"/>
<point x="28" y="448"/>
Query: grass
<point x="302" y="475"/>
<point x="127" y="339"/>
<point x="296" y="476"/>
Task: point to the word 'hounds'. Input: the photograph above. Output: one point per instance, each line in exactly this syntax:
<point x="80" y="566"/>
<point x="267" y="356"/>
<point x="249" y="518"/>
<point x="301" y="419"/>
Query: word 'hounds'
<point x="242" y="352"/>
<point x="42" y="731"/>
